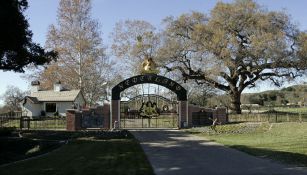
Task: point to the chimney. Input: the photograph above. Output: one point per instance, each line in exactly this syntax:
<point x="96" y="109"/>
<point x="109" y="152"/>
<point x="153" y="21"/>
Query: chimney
<point x="57" y="87"/>
<point x="35" y="86"/>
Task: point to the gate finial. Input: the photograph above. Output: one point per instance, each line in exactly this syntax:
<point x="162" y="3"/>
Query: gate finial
<point x="148" y="66"/>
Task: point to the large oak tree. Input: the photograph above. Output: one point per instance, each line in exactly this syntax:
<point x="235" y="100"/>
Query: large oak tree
<point x="234" y="47"/>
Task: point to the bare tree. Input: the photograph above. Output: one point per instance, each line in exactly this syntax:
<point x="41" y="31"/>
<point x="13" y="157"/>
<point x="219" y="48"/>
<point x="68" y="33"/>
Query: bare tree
<point x="12" y="98"/>
<point x="134" y="40"/>
<point x="82" y="63"/>
<point x="199" y="94"/>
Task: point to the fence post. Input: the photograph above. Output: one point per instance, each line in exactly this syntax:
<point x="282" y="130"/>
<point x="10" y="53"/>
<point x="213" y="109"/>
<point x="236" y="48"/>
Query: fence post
<point x="258" y="117"/>
<point x="20" y="123"/>
<point x="275" y="117"/>
<point x="300" y="117"/>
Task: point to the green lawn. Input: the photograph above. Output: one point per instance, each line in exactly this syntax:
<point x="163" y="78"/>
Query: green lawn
<point x="286" y="142"/>
<point x="87" y="153"/>
<point x="38" y="124"/>
<point x="14" y="149"/>
<point x="293" y="110"/>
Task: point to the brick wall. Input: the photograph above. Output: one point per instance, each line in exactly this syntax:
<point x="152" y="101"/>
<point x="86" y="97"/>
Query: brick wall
<point x="220" y="113"/>
<point x="74" y="117"/>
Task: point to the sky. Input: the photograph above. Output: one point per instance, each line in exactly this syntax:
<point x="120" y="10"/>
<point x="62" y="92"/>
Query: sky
<point x="42" y="13"/>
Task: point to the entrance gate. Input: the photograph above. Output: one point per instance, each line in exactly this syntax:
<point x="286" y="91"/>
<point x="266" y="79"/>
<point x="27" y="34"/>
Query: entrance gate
<point x="117" y="112"/>
<point x="163" y="112"/>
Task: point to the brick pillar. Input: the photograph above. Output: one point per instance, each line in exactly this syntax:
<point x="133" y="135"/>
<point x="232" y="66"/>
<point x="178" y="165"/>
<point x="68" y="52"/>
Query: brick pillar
<point x="115" y="112"/>
<point x="78" y="118"/>
<point x="70" y="120"/>
<point x="183" y="113"/>
<point x="73" y="120"/>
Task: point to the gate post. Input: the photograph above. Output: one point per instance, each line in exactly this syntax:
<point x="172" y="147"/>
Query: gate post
<point x="73" y="120"/>
<point x="183" y="114"/>
<point x="115" y="112"/>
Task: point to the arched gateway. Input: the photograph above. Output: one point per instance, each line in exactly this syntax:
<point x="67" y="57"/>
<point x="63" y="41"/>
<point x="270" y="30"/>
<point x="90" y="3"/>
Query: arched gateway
<point x="153" y="79"/>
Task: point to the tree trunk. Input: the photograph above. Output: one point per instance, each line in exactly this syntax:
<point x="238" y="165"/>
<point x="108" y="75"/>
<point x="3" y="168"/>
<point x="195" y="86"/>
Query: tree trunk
<point x="236" y="102"/>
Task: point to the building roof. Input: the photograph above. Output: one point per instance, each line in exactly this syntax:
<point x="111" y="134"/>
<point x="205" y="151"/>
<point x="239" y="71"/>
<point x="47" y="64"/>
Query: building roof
<point x="33" y="99"/>
<point x="66" y="95"/>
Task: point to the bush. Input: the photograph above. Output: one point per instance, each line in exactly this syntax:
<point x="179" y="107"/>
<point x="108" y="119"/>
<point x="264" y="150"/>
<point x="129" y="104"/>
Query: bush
<point x="5" y="132"/>
<point x="288" y="89"/>
<point x="43" y="113"/>
<point x="56" y="114"/>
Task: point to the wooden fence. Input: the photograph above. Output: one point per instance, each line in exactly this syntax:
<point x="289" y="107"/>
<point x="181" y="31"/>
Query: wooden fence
<point x="273" y="117"/>
<point x="41" y="123"/>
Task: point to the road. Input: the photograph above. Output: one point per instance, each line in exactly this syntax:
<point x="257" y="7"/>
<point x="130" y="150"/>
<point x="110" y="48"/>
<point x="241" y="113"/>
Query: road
<point x="174" y="152"/>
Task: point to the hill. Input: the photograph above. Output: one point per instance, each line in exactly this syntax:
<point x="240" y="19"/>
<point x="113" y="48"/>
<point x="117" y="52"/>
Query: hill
<point x="292" y="95"/>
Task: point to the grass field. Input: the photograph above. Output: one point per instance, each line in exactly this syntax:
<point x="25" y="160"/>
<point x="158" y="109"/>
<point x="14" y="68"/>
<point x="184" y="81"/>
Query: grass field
<point x="293" y="110"/>
<point x="55" y="123"/>
<point x="87" y="153"/>
<point x="285" y="142"/>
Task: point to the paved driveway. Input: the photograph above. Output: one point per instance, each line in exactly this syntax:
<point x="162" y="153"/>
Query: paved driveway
<point x="176" y="152"/>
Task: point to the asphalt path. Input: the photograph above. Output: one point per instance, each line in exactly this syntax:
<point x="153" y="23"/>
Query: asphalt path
<point x="175" y="152"/>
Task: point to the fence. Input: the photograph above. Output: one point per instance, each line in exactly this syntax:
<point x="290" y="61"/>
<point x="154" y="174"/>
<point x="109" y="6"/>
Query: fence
<point x="12" y="114"/>
<point x="270" y="116"/>
<point x="41" y="123"/>
<point x="202" y="118"/>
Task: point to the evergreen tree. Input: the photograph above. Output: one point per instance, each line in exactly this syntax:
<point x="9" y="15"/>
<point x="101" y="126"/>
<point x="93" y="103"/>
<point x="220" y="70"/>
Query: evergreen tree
<point x="16" y="47"/>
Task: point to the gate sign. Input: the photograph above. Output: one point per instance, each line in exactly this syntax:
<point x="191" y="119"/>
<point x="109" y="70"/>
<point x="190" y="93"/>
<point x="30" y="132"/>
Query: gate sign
<point x="153" y="79"/>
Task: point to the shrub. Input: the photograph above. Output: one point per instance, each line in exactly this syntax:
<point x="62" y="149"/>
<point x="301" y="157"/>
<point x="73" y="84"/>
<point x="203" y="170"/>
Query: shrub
<point x="5" y="132"/>
<point x="56" y="114"/>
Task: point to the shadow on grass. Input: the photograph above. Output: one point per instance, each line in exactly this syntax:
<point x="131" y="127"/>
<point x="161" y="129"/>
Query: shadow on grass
<point x="285" y="157"/>
<point x="33" y="143"/>
<point x="235" y="122"/>
<point x="14" y="149"/>
<point x="88" y="152"/>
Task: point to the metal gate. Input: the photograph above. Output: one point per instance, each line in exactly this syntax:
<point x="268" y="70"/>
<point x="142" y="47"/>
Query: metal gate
<point x="161" y="112"/>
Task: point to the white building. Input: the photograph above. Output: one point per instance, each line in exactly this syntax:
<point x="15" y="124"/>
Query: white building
<point x="51" y="102"/>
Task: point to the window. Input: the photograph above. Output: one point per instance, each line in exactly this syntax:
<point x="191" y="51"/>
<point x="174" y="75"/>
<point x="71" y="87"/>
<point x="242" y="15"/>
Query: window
<point x="50" y="107"/>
